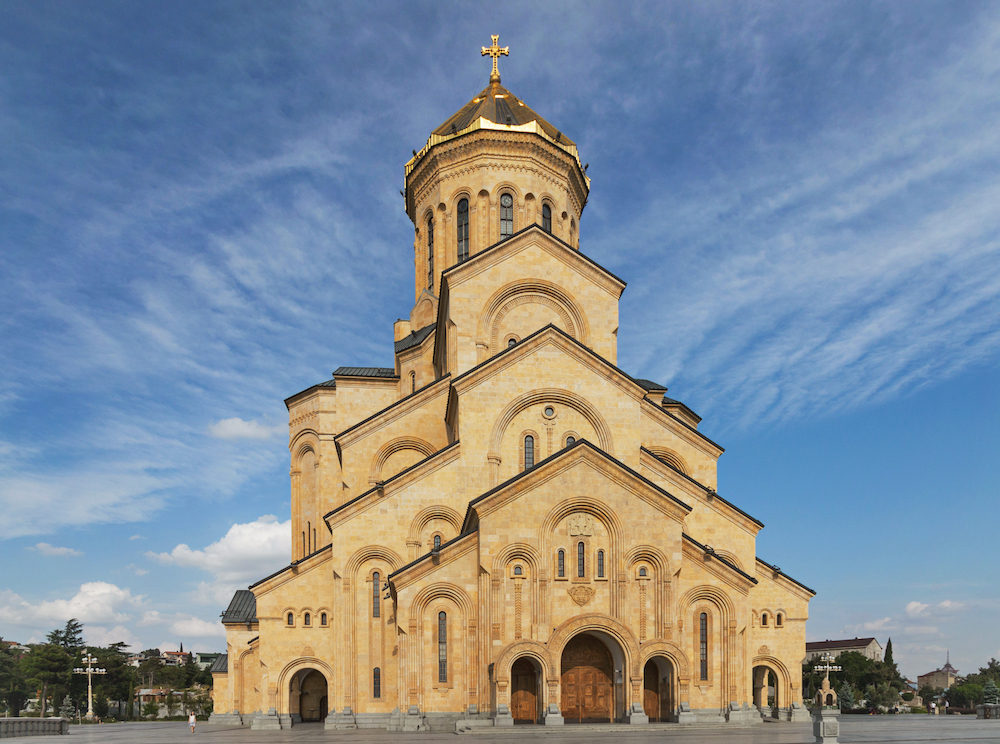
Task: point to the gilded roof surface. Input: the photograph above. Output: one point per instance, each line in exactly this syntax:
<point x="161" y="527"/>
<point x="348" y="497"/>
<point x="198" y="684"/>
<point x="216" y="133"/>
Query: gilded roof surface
<point x="498" y="105"/>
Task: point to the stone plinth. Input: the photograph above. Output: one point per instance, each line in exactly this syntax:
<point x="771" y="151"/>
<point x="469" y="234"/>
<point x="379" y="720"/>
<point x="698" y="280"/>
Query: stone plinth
<point x="826" y="724"/>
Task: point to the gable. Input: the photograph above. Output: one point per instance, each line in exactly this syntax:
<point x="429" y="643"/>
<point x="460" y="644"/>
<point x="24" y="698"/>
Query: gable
<point x="518" y="286"/>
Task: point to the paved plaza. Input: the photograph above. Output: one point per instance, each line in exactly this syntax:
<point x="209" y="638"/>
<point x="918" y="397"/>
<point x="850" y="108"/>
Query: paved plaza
<point x="911" y="728"/>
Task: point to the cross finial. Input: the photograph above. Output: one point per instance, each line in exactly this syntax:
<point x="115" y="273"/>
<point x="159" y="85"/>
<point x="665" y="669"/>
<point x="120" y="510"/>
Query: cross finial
<point x="495" y="51"/>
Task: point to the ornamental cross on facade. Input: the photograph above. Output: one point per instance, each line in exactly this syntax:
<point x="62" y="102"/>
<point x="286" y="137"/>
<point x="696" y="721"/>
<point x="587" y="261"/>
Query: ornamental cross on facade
<point x="495" y="51"/>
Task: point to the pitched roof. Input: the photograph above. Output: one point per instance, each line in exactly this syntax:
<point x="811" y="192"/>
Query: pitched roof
<point x="846" y="643"/>
<point x="242" y="609"/>
<point x="327" y="384"/>
<point x="414" y="339"/>
<point x="719" y="558"/>
<point x="220" y="665"/>
<point x="497" y="104"/>
<point x="649" y="384"/>
<point x="365" y="372"/>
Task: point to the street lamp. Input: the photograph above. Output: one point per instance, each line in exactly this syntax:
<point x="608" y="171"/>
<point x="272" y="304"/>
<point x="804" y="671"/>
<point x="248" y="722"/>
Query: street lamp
<point x="90" y="671"/>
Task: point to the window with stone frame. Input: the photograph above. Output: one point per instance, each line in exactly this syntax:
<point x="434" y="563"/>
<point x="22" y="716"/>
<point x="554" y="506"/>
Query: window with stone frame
<point x="462" y="227"/>
<point x="506" y="216"/>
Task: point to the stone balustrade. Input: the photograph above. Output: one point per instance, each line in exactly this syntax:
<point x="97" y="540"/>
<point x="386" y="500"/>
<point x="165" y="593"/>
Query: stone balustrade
<point x="11" y="727"/>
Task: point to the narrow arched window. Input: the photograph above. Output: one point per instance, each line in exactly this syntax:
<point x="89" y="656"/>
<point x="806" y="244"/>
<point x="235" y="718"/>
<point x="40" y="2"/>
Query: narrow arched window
<point x="763" y="619"/>
<point x="600" y="564"/>
<point x="529" y="452"/>
<point x="778" y="620"/>
<point x="290" y="619"/>
<point x="309" y="544"/>
<point x="430" y="253"/>
<point x="376" y="595"/>
<point x="703" y="644"/>
<point x="437" y="541"/>
<point x="511" y="343"/>
<point x="307" y="619"/>
<point x="442" y="647"/>
<point x="547" y="218"/>
<point x="506" y="216"/>
<point x="570" y="440"/>
<point x="518" y="571"/>
<point x="463" y="230"/>
<point x="561" y="569"/>
<point x="377" y="683"/>
<point x="322" y="619"/>
<point x="413" y="382"/>
<point x="581" y="567"/>
<point x="642" y="572"/>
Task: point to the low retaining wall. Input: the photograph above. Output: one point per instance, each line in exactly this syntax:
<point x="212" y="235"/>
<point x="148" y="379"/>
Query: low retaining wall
<point x="11" y="727"/>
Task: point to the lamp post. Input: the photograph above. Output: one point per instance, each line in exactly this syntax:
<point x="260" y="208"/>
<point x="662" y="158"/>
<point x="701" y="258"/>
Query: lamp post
<point x="90" y="671"/>
<point x="827" y="665"/>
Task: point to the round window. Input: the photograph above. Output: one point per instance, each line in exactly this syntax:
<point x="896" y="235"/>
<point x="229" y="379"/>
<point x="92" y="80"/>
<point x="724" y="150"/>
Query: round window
<point x="550" y="411"/>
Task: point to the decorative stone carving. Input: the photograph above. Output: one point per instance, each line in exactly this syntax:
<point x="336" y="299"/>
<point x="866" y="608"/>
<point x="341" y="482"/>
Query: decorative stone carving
<point x="581" y="594"/>
<point x="580" y="524"/>
<point x="763" y="651"/>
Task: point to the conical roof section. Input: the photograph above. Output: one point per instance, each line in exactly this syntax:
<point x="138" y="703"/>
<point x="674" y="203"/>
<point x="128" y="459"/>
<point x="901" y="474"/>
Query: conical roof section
<point x="497" y="104"/>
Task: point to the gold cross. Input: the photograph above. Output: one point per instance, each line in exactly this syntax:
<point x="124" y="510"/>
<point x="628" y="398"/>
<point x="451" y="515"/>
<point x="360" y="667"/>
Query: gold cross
<point x="495" y="52"/>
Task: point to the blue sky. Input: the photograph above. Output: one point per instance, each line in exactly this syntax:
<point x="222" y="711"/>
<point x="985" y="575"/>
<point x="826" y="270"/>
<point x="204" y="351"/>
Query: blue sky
<point x="199" y="216"/>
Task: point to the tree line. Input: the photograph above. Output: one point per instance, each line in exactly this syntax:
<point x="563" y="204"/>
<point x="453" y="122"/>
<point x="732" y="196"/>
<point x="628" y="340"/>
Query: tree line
<point x="45" y="672"/>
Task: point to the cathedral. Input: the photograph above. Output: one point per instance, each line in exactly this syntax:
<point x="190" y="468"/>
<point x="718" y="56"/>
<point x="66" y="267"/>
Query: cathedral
<point x="505" y="527"/>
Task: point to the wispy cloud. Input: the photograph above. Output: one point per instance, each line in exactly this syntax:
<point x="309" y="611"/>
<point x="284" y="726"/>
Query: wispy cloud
<point x="52" y="550"/>
<point x="237" y="428"/>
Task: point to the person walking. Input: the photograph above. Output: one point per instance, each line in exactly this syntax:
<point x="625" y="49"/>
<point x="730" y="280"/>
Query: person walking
<point x="191" y="721"/>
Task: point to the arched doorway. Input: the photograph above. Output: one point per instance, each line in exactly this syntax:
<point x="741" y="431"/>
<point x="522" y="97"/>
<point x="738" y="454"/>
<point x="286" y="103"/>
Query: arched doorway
<point x="658" y="689"/>
<point x="587" y="681"/>
<point x="309" y="694"/>
<point x="524" y="697"/>
<point x="765" y="691"/>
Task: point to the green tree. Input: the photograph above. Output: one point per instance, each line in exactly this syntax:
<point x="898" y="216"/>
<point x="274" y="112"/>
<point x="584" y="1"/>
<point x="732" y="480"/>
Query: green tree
<point x="100" y="705"/>
<point x="190" y="671"/>
<point x="14" y="687"/>
<point x="887" y="658"/>
<point x="149" y="670"/>
<point x="881" y="696"/>
<point x="48" y="666"/>
<point x="150" y="709"/>
<point x="991" y="695"/>
<point x="928" y="693"/>
<point x="845" y="696"/>
<point x="965" y="695"/>
<point x="171" y="702"/>
<point x="70" y="637"/>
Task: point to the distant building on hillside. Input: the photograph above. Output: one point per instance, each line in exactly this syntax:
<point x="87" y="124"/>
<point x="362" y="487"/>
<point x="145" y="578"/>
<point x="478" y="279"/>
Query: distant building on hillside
<point x="867" y="646"/>
<point x="175" y="658"/>
<point x="942" y="678"/>
<point x="205" y="661"/>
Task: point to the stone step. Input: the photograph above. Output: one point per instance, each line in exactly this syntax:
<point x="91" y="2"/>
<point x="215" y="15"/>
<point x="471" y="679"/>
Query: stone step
<point x="606" y="727"/>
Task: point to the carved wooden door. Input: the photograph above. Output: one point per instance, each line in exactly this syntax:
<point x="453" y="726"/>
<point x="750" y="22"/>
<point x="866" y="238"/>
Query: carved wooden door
<point x="651" y="691"/>
<point x="524" y="692"/>
<point x="586" y="681"/>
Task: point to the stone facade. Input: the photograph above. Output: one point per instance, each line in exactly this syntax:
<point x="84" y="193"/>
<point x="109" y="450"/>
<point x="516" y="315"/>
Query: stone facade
<point x="505" y="525"/>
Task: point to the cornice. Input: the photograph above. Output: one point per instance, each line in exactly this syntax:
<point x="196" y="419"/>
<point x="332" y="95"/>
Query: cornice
<point x="450" y="552"/>
<point x="775" y="574"/>
<point x="686" y="432"/>
<point x="718" y="566"/>
<point x="696" y="490"/>
<point x="398" y="482"/>
<point x="391" y="413"/>
<point x="289" y="572"/>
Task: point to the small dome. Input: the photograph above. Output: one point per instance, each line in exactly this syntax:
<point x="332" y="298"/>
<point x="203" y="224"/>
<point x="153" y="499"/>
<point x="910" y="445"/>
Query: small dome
<point x="498" y="105"/>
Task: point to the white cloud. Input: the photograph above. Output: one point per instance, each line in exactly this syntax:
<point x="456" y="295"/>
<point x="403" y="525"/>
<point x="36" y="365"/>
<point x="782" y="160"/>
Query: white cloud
<point x="188" y="626"/>
<point x="137" y="537"/>
<point x="136" y="570"/>
<point x="237" y="428"/>
<point x="948" y="605"/>
<point x="884" y="623"/>
<point x="915" y="609"/>
<point x="52" y="550"/>
<point x="97" y="635"/>
<point x="246" y="553"/>
<point x="95" y="602"/>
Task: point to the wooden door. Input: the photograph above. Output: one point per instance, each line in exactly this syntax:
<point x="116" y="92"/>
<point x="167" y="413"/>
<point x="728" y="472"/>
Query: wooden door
<point x="651" y="690"/>
<point x="524" y="692"/>
<point x="586" y="681"/>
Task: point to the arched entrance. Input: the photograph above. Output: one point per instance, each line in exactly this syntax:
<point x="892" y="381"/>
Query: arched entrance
<point x="524" y="691"/>
<point x="308" y="695"/>
<point x="765" y="691"/>
<point x="587" y="681"/>
<point x="658" y="689"/>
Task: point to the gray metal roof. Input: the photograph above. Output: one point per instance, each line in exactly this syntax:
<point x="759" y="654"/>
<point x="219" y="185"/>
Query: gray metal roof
<point x="649" y="384"/>
<point x="242" y="609"/>
<point x="220" y="665"/>
<point x="414" y="339"/>
<point x="364" y="372"/>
